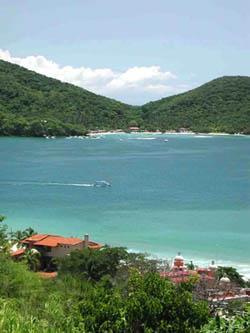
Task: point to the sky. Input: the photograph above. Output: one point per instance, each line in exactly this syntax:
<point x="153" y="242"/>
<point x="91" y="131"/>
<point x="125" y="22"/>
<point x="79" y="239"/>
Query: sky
<point x="134" y="50"/>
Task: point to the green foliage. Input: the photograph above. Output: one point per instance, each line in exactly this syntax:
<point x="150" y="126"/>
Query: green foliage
<point x="222" y="105"/>
<point x="106" y="290"/>
<point x="19" y="235"/>
<point x="156" y="305"/>
<point x="190" y="265"/>
<point x="236" y="324"/>
<point x="232" y="274"/>
<point x="16" y="281"/>
<point x="34" y="105"/>
<point x="144" y="303"/>
<point x="114" y="262"/>
<point x="71" y="303"/>
<point x="32" y="259"/>
<point x="93" y="265"/>
<point x="2" y="217"/>
<point x="3" y="233"/>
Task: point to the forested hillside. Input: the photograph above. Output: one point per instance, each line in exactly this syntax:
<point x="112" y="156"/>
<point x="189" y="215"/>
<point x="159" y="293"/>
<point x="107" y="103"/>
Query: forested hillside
<point x="222" y="105"/>
<point x="34" y="105"/>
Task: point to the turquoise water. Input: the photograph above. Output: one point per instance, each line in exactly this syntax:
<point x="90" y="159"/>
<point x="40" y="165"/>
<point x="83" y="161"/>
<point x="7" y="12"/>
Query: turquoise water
<point x="188" y="194"/>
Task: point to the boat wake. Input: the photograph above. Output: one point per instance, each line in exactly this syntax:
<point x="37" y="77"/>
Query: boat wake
<point x="95" y="184"/>
<point x="142" y="138"/>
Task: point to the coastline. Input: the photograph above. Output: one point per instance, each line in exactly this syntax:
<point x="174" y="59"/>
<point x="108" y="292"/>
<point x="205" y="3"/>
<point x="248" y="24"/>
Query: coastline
<point x="242" y="268"/>
<point x="117" y="132"/>
<point x="120" y="132"/>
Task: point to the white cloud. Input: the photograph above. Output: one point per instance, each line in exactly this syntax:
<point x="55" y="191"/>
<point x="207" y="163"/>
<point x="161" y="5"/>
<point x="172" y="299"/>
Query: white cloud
<point x="160" y="88"/>
<point x="117" y="84"/>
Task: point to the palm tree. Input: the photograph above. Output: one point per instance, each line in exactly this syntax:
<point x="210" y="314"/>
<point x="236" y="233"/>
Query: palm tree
<point x="3" y="232"/>
<point x="29" y="232"/>
<point x="2" y="217"/>
<point x="190" y="266"/>
<point x="32" y="259"/>
<point x="19" y="235"/>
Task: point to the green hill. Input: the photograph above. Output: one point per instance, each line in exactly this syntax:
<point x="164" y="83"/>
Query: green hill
<point x="221" y="105"/>
<point x="35" y="105"/>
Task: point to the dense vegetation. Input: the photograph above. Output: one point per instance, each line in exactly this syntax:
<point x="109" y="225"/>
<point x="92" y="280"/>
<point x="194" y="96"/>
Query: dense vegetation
<point x="222" y="105"/>
<point x="107" y="290"/>
<point x="72" y="304"/>
<point x="34" y="105"/>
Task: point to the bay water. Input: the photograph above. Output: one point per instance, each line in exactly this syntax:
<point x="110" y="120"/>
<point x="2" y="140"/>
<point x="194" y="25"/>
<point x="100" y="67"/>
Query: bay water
<point x="169" y="193"/>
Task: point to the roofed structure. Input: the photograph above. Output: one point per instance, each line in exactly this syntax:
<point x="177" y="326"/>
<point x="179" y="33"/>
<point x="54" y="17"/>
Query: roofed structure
<point x="54" y="245"/>
<point x="40" y="240"/>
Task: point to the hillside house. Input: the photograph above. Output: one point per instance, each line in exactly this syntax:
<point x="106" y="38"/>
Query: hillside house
<point x="54" y="246"/>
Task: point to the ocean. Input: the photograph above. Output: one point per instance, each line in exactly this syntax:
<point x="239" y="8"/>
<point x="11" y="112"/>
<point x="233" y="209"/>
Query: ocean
<point x="169" y="193"/>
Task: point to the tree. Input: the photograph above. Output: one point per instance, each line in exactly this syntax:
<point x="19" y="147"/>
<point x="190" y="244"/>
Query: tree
<point x="2" y="218"/>
<point x="235" y="324"/>
<point x="16" y="281"/>
<point x="3" y="233"/>
<point x="17" y="236"/>
<point x="20" y="235"/>
<point x="93" y="264"/>
<point x="32" y="258"/>
<point x="190" y="265"/>
<point x="29" y="232"/>
<point x="232" y="274"/>
<point x="156" y="305"/>
<point x="113" y="261"/>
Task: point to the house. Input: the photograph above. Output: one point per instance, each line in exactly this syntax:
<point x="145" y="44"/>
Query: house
<point x="54" y="246"/>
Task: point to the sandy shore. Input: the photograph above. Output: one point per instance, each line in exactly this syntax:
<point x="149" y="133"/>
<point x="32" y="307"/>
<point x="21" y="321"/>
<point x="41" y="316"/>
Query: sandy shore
<point x="97" y="133"/>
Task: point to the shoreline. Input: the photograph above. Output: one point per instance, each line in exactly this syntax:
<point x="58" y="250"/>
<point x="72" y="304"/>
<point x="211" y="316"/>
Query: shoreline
<point x="242" y="268"/>
<point x="93" y="134"/>
<point x="117" y="132"/>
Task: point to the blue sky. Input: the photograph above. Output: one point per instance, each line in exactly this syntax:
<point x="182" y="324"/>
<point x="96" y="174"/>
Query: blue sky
<point x="134" y="51"/>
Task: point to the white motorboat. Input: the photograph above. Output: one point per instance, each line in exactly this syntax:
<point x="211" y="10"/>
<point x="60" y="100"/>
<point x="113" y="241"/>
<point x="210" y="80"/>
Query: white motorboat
<point x="101" y="183"/>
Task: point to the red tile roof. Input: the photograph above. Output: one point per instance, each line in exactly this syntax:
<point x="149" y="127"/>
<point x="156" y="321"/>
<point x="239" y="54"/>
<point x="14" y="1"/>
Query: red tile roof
<point x="34" y="238"/>
<point x="55" y="240"/>
<point x="94" y="246"/>
<point x="51" y="240"/>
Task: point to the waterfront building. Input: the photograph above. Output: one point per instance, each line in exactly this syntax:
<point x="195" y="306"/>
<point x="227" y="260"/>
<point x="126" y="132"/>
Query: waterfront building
<point x="179" y="272"/>
<point x="54" y="246"/>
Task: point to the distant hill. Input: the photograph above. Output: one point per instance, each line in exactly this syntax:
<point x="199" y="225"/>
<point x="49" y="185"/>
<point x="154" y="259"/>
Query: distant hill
<point x="221" y="105"/>
<point x="35" y="105"/>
